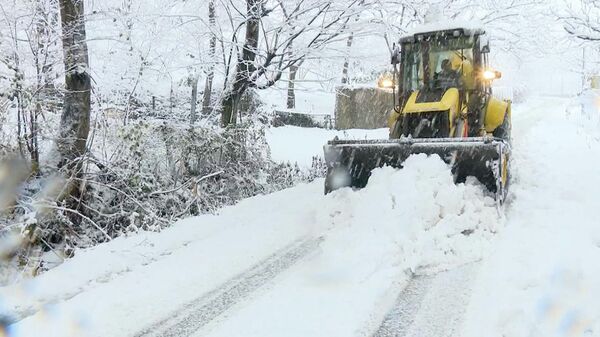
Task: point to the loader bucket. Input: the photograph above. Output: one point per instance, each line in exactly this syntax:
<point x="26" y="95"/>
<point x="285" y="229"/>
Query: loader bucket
<point x="349" y="163"/>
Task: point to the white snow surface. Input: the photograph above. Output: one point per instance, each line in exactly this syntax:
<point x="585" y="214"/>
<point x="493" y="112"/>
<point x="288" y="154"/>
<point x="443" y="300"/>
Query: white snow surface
<point x="292" y="144"/>
<point x="543" y="278"/>
<point x="584" y="112"/>
<point x="119" y="287"/>
<point x="538" y="275"/>
<point x="403" y="221"/>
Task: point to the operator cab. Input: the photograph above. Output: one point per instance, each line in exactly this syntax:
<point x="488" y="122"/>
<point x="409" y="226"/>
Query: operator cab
<point x="436" y="61"/>
<point x="443" y="83"/>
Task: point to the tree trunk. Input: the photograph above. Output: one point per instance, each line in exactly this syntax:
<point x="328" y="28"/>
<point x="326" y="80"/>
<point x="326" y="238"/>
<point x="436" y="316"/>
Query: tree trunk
<point x="171" y="100"/>
<point x="349" y="42"/>
<point x="345" y="71"/>
<point x="229" y="105"/>
<point x="194" y="100"/>
<point x="43" y="66"/>
<point x="75" y="119"/>
<point x="245" y="64"/>
<point x="207" y="96"/>
<point x="291" y="95"/>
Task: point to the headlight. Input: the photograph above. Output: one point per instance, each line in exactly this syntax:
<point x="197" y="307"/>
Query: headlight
<point x="386" y="83"/>
<point x="386" y="80"/>
<point x="490" y="75"/>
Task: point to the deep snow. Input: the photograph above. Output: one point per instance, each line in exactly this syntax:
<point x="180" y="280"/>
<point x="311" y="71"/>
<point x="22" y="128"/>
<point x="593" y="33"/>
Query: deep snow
<point x="537" y="278"/>
<point x="372" y="239"/>
<point x="543" y="278"/>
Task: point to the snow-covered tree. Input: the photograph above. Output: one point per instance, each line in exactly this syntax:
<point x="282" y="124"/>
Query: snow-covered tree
<point x="29" y="66"/>
<point x="75" y="119"/>
<point x="582" y="19"/>
<point x="261" y="60"/>
<point x="210" y="73"/>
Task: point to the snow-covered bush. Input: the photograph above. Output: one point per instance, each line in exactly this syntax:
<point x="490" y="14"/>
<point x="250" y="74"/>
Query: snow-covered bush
<point x="144" y="176"/>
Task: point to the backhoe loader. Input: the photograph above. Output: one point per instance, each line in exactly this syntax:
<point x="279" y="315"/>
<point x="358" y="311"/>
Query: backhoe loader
<point x="443" y="105"/>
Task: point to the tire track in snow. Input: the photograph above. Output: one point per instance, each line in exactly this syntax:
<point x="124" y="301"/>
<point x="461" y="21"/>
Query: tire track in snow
<point x="431" y="305"/>
<point x="198" y="313"/>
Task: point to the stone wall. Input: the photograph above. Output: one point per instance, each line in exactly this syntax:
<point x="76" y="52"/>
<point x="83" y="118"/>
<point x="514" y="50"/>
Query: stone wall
<point x="362" y="108"/>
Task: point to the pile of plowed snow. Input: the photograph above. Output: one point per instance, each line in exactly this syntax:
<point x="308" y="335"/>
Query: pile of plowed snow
<point x="426" y="221"/>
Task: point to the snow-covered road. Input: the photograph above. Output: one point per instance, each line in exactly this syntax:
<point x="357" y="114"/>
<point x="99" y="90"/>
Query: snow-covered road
<point x="297" y="263"/>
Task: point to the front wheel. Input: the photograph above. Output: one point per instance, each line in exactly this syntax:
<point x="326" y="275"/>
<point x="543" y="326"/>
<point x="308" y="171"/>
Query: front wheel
<point x="504" y="130"/>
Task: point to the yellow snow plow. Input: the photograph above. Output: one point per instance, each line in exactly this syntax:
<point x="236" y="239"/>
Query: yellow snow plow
<point x="443" y="105"/>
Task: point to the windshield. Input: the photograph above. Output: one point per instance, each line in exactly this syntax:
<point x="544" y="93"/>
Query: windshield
<point x="438" y="63"/>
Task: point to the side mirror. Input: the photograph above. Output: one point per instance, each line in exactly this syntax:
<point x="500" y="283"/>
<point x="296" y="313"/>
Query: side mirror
<point x="395" y="54"/>
<point x="485" y="44"/>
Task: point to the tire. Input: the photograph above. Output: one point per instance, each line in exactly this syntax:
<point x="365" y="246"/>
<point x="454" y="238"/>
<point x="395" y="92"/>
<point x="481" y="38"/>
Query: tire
<point x="397" y="129"/>
<point x="504" y="130"/>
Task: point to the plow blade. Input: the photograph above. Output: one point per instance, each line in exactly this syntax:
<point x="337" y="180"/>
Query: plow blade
<point x="349" y="163"/>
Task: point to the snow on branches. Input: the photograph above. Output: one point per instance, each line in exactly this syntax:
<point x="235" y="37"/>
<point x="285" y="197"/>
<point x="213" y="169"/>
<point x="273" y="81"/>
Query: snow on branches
<point x="581" y="19"/>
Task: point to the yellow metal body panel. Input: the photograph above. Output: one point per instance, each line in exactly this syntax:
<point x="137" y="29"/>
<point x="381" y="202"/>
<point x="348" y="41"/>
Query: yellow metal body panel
<point x="393" y="117"/>
<point x="449" y="102"/>
<point x="495" y="111"/>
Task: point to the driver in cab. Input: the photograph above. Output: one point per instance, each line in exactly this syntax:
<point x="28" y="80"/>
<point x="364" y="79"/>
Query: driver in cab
<point x="447" y="77"/>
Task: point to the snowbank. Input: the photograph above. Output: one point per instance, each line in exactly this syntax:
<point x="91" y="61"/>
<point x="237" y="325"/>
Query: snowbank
<point x="543" y="279"/>
<point x="433" y="221"/>
<point x="299" y="145"/>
